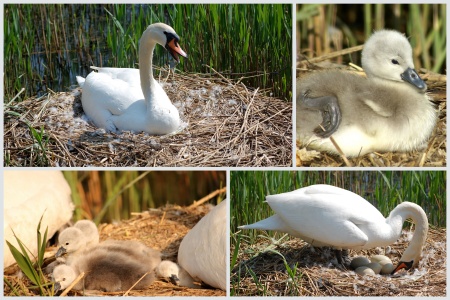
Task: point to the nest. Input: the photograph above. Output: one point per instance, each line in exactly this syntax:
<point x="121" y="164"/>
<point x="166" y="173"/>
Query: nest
<point x="317" y="273"/>
<point x="433" y="155"/>
<point x="226" y="125"/>
<point x="161" y="229"/>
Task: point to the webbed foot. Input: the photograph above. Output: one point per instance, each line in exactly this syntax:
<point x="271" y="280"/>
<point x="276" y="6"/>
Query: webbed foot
<point x="329" y="108"/>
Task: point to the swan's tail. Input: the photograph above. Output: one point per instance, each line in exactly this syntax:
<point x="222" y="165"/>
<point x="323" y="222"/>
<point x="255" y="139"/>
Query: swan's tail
<point x="81" y="81"/>
<point x="271" y="223"/>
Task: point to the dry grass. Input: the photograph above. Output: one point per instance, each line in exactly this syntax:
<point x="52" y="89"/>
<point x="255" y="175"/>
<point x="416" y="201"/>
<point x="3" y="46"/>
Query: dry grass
<point x="434" y="155"/>
<point x="161" y="229"/>
<point x="227" y="125"/>
<point x="317" y="275"/>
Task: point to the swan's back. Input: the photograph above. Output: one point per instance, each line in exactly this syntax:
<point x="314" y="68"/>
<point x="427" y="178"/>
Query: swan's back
<point x="202" y="252"/>
<point x="327" y="215"/>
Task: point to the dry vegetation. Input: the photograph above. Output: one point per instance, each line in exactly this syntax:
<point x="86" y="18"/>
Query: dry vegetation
<point x="317" y="274"/>
<point x="434" y="155"/>
<point x="227" y="125"/>
<point x="161" y="229"/>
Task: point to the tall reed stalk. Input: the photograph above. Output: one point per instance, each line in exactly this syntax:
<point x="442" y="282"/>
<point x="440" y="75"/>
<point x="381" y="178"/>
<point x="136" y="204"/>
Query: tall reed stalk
<point x="51" y="43"/>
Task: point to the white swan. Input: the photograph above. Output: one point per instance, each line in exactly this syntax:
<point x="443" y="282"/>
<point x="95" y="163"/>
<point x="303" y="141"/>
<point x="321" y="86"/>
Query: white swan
<point x="104" y="270"/>
<point x="172" y="272"/>
<point x="131" y="99"/>
<point x="28" y="196"/>
<point x="324" y="215"/>
<point x="202" y="251"/>
<point x="387" y="111"/>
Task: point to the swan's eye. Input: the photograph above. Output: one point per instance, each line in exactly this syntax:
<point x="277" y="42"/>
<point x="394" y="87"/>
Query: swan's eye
<point x="394" y="61"/>
<point x="67" y="243"/>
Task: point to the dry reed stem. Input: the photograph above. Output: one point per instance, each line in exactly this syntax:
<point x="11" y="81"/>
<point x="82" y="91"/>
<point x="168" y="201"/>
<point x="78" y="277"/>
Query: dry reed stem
<point x="228" y="125"/>
<point x="208" y="197"/>
<point x="69" y="288"/>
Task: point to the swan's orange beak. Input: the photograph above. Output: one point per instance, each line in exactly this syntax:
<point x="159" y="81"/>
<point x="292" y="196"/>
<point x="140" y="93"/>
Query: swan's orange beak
<point x="175" y="50"/>
<point x="403" y="265"/>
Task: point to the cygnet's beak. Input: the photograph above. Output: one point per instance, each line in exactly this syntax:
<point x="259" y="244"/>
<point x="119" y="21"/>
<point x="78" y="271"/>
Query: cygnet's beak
<point x="174" y="279"/>
<point x="411" y="76"/>
<point x="57" y="286"/>
<point x="403" y="265"/>
<point x="173" y="47"/>
<point x="61" y="251"/>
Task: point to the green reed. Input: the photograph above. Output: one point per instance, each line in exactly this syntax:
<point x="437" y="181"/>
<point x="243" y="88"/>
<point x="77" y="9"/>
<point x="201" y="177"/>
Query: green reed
<point x="383" y="189"/>
<point x="49" y="44"/>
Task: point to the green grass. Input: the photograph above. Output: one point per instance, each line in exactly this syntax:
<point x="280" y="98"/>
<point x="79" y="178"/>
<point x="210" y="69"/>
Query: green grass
<point x="50" y="44"/>
<point x="383" y="189"/>
<point x="31" y="266"/>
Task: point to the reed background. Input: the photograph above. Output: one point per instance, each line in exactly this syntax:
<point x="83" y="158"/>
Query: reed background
<point x="324" y="28"/>
<point x="106" y="196"/>
<point x="384" y="190"/>
<point x="46" y="46"/>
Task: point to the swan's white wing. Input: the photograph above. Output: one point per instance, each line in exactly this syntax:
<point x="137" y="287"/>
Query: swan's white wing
<point x="111" y="91"/>
<point x="128" y="75"/>
<point x="327" y="214"/>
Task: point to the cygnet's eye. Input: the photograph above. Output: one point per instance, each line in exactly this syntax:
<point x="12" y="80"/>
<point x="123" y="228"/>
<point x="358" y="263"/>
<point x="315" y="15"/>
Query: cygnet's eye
<point x="67" y="243"/>
<point x="395" y="62"/>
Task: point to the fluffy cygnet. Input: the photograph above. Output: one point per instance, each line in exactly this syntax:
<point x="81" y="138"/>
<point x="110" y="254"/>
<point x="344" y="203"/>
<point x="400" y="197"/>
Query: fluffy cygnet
<point x="135" y="250"/>
<point x="72" y="241"/>
<point x="108" y="271"/>
<point x="90" y="231"/>
<point x="387" y="111"/>
<point x="172" y="272"/>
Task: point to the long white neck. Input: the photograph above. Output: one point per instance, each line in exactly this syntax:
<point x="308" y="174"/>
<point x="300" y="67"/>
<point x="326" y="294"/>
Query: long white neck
<point x="396" y="219"/>
<point x="146" y="47"/>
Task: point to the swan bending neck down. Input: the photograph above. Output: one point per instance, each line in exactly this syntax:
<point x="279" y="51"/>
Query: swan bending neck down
<point x="131" y="99"/>
<point x="324" y="215"/>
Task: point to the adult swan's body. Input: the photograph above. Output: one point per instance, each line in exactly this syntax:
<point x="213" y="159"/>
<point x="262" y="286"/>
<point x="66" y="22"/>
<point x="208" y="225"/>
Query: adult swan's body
<point x="131" y="99"/>
<point x="324" y="215"/>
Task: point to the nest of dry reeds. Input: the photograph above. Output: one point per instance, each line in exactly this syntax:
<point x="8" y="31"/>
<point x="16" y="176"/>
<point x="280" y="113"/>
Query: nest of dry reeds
<point x="433" y="155"/>
<point x="161" y="229"/>
<point x="319" y="275"/>
<point x="227" y="125"/>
